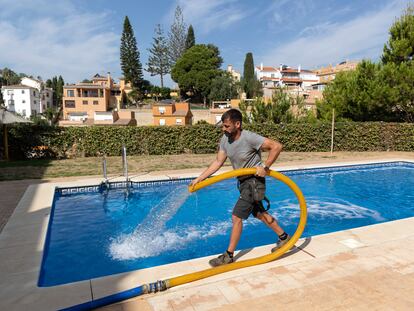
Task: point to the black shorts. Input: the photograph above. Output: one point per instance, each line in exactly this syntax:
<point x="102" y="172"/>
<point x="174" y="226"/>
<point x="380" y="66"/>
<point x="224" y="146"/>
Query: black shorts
<point x="252" y="191"/>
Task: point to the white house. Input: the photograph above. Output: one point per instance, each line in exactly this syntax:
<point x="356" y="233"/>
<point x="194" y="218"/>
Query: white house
<point x="28" y="98"/>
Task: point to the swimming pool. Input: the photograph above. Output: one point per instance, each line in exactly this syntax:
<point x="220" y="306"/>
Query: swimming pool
<point x="96" y="233"/>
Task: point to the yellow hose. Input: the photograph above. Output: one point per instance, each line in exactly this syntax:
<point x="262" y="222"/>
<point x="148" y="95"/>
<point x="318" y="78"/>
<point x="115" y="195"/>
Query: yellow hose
<point x="255" y="261"/>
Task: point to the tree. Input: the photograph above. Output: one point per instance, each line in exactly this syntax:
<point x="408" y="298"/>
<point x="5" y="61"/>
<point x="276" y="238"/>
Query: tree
<point x="223" y="87"/>
<point x="195" y="70"/>
<point x="158" y="61"/>
<point x="276" y="111"/>
<point x="251" y="85"/>
<point x="400" y="46"/>
<point x="130" y="63"/>
<point x="190" y="40"/>
<point x="59" y="97"/>
<point x="9" y="77"/>
<point x="177" y="37"/>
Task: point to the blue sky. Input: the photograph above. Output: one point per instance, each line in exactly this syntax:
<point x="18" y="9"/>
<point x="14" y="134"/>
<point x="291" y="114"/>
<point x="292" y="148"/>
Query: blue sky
<point x="80" y="38"/>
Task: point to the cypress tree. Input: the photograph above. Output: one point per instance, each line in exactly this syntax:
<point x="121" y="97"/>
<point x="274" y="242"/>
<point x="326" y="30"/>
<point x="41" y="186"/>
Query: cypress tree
<point x="249" y="79"/>
<point x="130" y="63"/>
<point x="158" y="61"/>
<point x="190" y="41"/>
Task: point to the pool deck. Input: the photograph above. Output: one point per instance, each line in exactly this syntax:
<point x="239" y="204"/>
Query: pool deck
<point x="366" y="268"/>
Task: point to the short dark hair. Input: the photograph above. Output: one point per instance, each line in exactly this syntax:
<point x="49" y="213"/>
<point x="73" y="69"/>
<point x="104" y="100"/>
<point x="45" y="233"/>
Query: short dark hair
<point x="233" y="115"/>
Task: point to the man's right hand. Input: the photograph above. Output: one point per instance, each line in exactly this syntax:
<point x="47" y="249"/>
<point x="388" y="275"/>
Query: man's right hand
<point x="194" y="182"/>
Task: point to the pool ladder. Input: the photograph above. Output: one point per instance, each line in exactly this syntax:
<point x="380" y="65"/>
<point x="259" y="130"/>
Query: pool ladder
<point x="124" y="169"/>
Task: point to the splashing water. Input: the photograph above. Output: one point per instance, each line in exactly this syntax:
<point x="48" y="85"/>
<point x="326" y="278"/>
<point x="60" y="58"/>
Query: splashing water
<point x="327" y="208"/>
<point x="151" y="238"/>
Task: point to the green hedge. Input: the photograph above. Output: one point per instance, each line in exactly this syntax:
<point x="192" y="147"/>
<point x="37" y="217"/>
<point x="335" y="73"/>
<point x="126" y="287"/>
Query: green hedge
<point x="98" y="140"/>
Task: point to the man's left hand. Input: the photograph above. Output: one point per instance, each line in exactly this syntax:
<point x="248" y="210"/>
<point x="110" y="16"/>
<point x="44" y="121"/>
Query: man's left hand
<point x="261" y="171"/>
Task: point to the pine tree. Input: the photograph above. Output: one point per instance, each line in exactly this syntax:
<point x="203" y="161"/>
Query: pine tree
<point x="158" y="61"/>
<point x="130" y="63"/>
<point x="190" y="41"/>
<point x="177" y="37"/>
<point x="400" y="46"/>
<point x="249" y="80"/>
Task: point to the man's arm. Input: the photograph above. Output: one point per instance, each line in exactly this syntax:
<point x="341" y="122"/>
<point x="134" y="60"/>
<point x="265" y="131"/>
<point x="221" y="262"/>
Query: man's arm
<point x="274" y="149"/>
<point x="214" y="167"/>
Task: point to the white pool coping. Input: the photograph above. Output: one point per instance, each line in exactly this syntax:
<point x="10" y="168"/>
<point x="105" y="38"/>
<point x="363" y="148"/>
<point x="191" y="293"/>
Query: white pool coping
<point x="22" y="243"/>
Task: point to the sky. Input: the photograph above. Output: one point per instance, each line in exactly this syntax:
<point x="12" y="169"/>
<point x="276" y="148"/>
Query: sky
<point x="77" y="38"/>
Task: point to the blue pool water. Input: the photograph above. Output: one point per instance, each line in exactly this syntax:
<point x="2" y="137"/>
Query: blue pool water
<point x="99" y="233"/>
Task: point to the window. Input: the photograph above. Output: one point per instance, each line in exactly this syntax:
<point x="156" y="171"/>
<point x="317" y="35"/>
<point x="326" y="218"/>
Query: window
<point x="34" y="102"/>
<point x="69" y="103"/>
<point x="47" y="94"/>
<point x="23" y="112"/>
<point x="9" y="92"/>
<point x="34" y="112"/>
<point x="11" y="102"/>
<point x="70" y="93"/>
<point x="161" y="110"/>
<point x="34" y="93"/>
<point x="22" y="91"/>
<point x="23" y="101"/>
<point x="95" y="102"/>
<point x="84" y="102"/>
<point x="178" y="121"/>
<point x="162" y="121"/>
<point x="272" y="75"/>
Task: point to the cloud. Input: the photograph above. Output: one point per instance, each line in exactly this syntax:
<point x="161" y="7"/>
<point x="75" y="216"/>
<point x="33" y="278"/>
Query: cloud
<point x="56" y="38"/>
<point x="362" y="37"/>
<point x="207" y="16"/>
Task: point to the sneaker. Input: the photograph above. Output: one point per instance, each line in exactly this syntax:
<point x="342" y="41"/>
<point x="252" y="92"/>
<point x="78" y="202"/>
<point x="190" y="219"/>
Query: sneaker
<point x="223" y="259"/>
<point x="280" y="243"/>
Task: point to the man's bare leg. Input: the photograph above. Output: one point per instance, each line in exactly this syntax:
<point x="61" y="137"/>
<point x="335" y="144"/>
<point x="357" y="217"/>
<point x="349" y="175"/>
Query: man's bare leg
<point x="270" y="221"/>
<point x="235" y="233"/>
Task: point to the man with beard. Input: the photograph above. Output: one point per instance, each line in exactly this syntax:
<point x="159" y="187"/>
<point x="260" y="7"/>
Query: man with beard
<point x="243" y="148"/>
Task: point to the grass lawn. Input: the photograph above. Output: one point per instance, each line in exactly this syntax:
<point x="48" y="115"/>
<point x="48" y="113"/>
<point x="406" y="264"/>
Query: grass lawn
<point x="44" y="169"/>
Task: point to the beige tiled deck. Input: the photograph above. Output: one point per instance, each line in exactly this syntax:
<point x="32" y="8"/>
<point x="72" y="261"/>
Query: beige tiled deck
<point x="368" y="268"/>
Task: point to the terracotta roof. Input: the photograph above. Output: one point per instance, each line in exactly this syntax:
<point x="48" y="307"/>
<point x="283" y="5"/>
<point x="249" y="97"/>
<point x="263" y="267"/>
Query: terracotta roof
<point x="266" y="68"/>
<point x="290" y="70"/>
<point x="181" y="113"/>
<point x="269" y="78"/>
<point x="286" y="79"/>
<point x="80" y="86"/>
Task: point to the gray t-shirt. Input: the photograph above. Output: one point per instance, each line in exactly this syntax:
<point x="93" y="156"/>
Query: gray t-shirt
<point x="245" y="151"/>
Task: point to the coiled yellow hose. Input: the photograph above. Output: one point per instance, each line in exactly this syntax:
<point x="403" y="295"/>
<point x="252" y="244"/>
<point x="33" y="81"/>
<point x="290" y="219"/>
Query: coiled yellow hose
<point x="255" y="261"/>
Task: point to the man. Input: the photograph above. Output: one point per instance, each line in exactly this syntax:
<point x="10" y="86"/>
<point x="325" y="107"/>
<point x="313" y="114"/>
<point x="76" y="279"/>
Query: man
<point x="244" y="151"/>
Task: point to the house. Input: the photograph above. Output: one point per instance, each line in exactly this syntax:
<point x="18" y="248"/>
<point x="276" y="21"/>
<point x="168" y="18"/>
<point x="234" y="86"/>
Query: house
<point x="235" y="74"/>
<point x="28" y="98"/>
<point x="96" y="102"/>
<point x="293" y="79"/>
<point x="328" y="73"/>
<point x="168" y="112"/>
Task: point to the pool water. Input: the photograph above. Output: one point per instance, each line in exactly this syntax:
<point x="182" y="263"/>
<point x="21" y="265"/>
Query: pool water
<point x="103" y="232"/>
